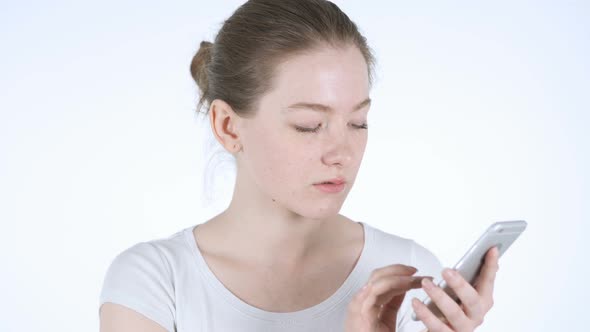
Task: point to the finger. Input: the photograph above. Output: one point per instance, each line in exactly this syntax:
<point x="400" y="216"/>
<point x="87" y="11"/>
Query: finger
<point x="368" y="308"/>
<point x="433" y="323"/>
<point x="391" y="301"/>
<point x="379" y="287"/>
<point x="417" y="281"/>
<point x="450" y="309"/>
<point x="485" y="281"/>
<point x="382" y="290"/>
<point x="356" y="302"/>
<point x="355" y="306"/>
<point x="469" y="297"/>
<point x="360" y="296"/>
<point x="388" y="313"/>
<point x="397" y="269"/>
<point x="387" y="287"/>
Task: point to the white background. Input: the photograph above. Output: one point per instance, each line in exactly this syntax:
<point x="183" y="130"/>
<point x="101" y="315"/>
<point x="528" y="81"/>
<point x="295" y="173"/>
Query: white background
<point x="480" y="114"/>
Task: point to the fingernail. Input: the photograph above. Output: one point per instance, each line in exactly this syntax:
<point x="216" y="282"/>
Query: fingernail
<point x="419" y="278"/>
<point x="415" y="302"/>
<point x="450" y="274"/>
<point x="427" y="283"/>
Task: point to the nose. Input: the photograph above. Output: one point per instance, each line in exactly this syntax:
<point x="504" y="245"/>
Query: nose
<point x="339" y="150"/>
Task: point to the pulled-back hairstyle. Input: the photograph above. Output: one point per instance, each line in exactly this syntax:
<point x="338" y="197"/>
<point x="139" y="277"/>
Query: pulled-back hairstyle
<point x="239" y="66"/>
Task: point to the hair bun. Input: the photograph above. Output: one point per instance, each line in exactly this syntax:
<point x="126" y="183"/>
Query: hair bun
<point x="199" y="65"/>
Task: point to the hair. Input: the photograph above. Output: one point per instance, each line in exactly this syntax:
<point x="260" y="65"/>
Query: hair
<point x="231" y="68"/>
<point x="239" y="66"/>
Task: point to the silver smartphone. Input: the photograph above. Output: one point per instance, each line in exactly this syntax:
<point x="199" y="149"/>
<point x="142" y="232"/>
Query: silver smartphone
<point x="501" y="234"/>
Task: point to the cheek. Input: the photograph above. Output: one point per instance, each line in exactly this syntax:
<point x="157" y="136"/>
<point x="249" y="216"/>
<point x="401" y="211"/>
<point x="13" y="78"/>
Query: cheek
<point x="290" y="163"/>
<point x="281" y="165"/>
<point x="362" y="145"/>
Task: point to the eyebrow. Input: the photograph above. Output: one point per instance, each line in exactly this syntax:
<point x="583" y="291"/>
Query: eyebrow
<point x="324" y="108"/>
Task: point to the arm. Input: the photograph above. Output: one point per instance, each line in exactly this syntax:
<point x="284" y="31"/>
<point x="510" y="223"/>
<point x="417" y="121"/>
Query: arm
<point x="137" y="291"/>
<point x="118" y="318"/>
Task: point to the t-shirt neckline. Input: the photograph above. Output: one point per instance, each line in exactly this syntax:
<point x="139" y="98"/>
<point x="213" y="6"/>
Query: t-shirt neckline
<point x="350" y="284"/>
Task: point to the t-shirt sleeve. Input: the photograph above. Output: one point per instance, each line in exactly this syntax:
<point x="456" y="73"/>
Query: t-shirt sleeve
<point x="428" y="265"/>
<point x="140" y="278"/>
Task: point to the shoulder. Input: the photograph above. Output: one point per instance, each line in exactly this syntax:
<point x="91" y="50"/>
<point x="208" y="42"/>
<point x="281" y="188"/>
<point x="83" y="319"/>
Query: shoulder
<point x="142" y="277"/>
<point x="407" y="251"/>
<point x="140" y="259"/>
<point x="157" y="254"/>
<point x="389" y="241"/>
<point x="425" y="261"/>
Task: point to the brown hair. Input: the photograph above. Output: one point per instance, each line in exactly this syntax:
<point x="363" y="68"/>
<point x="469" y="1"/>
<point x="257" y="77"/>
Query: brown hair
<point x="238" y="67"/>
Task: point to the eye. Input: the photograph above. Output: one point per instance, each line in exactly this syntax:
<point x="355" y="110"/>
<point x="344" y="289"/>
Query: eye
<point x="363" y="126"/>
<point x="307" y="130"/>
<point x="315" y="130"/>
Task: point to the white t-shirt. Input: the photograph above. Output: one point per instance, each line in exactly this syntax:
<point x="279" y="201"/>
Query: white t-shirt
<point x="168" y="281"/>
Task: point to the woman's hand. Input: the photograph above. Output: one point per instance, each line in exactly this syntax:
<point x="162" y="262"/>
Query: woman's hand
<point x="374" y="308"/>
<point x="475" y="302"/>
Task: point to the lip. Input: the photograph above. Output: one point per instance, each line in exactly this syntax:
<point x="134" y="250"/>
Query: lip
<point x="330" y="188"/>
<point x="337" y="181"/>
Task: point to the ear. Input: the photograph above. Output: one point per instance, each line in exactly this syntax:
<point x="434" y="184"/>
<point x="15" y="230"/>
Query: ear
<point x="224" y="124"/>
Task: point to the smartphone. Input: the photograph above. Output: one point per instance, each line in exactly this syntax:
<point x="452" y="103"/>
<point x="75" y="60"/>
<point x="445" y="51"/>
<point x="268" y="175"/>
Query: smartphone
<point x="500" y="234"/>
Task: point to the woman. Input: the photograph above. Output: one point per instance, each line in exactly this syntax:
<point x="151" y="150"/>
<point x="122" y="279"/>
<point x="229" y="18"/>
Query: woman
<point x="286" y="84"/>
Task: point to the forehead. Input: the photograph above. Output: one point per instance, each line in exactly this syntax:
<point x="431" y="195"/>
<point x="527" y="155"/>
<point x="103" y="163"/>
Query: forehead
<point x="337" y="77"/>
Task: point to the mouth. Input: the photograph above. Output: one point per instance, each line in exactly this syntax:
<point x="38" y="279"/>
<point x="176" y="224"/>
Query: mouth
<point x="335" y="181"/>
<point x="331" y="186"/>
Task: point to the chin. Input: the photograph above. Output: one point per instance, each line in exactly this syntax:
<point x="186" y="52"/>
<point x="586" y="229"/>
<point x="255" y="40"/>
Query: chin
<point x="319" y="212"/>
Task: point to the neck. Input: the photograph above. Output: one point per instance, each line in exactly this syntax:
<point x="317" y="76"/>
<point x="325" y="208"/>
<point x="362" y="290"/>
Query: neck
<point x="255" y="228"/>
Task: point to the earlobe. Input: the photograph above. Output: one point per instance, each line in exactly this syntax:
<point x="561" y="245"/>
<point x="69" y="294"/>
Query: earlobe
<point x="223" y="121"/>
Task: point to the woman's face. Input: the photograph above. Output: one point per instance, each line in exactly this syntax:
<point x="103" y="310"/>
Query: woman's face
<point x="286" y="163"/>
